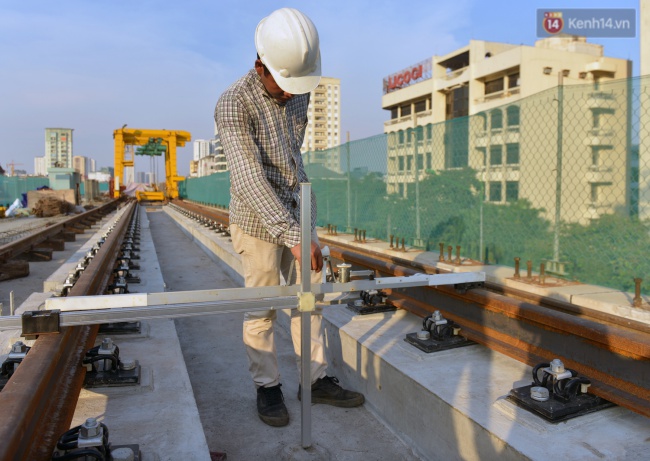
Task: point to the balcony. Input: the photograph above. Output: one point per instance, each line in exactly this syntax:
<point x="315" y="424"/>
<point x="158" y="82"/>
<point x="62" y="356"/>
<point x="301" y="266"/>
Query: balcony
<point x="599" y="100"/>
<point x="598" y="174"/>
<point x="599" y="137"/>
<point x="503" y="94"/>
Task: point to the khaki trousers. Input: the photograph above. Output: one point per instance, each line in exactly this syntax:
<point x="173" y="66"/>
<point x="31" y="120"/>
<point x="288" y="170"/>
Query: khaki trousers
<point x="268" y="264"/>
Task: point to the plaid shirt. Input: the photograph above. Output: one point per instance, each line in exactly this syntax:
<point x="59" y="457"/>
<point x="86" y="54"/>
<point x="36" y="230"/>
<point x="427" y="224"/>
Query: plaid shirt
<point x="261" y="140"/>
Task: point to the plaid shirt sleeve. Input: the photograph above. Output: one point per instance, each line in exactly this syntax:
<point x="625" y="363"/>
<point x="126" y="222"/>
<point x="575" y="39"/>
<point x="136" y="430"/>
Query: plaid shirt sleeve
<point x="262" y="181"/>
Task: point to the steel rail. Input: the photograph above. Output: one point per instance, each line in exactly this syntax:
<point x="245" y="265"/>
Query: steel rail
<point x="212" y="213"/>
<point x="29" y="242"/>
<point x="616" y="358"/>
<point x="612" y="351"/>
<point x="39" y="400"/>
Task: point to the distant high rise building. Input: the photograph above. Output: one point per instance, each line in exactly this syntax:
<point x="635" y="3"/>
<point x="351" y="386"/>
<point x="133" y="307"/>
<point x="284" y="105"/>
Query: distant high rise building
<point x="209" y="157"/>
<point x="324" y="123"/>
<point x="141" y="177"/>
<point x="40" y="168"/>
<point x="92" y="165"/>
<point x="324" y="113"/>
<point x="201" y="148"/>
<point x="58" y="147"/>
<point x="81" y="164"/>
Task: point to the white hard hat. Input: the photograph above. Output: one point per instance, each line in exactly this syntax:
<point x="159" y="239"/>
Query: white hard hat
<point x="287" y="43"/>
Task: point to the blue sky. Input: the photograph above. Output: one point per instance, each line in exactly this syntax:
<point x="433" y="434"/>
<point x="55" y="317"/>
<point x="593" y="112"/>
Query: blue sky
<point x="95" y="65"/>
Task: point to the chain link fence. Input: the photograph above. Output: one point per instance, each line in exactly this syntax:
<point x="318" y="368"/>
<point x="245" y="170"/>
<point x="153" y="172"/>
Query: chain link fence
<point x="561" y="177"/>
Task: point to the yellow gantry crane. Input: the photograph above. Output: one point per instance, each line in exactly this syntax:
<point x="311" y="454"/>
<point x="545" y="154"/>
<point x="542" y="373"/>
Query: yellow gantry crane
<point x="154" y="142"/>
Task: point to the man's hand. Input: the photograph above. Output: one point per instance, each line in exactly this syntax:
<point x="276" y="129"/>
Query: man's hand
<point x="316" y="256"/>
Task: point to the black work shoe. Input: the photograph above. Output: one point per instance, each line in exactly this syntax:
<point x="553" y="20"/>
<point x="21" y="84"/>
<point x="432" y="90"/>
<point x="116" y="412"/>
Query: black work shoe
<point x="327" y="390"/>
<point x="270" y="406"/>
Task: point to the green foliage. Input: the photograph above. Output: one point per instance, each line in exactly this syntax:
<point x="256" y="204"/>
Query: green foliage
<point x="610" y="251"/>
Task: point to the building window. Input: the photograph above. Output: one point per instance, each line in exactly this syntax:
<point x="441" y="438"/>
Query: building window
<point x="495" y="191"/>
<point x="420" y="161"/>
<point x="457" y="103"/>
<point x="401" y="189"/>
<point x="496" y="119"/>
<point x="409" y="162"/>
<point x="393" y="113"/>
<point x="496" y="154"/>
<point x="421" y="106"/>
<point x="406" y="110"/>
<point x="494" y="86"/>
<point x="428" y="160"/>
<point x="513" y="80"/>
<point x="512" y="154"/>
<point x="400" y="163"/>
<point x="512" y="191"/>
<point x="512" y="115"/>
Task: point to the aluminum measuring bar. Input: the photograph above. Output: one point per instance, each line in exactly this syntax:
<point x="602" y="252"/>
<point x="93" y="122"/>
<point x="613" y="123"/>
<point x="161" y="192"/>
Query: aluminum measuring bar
<point x="87" y="310"/>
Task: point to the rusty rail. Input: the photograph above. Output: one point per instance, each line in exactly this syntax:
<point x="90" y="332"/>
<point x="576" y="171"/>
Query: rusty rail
<point x="39" y="400"/>
<point x="612" y="351"/>
<point x="29" y="242"/>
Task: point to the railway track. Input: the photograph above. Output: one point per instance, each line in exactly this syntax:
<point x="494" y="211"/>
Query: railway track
<point x="614" y="352"/>
<point x="611" y="351"/>
<point x="39" y="399"/>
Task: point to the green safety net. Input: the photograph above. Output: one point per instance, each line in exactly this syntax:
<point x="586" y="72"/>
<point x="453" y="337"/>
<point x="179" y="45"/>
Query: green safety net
<point x="12" y="187"/>
<point x="561" y="177"/>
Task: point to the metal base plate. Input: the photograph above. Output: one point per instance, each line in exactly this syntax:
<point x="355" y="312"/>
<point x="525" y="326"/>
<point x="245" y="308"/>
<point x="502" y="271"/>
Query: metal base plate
<point x="555" y="411"/>
<point x="365" y="310"/>
<point x="113" y="379"/>
<point x="431" y="345"/>
<point x="133" y="279"/>
<point x="120" y="328"/>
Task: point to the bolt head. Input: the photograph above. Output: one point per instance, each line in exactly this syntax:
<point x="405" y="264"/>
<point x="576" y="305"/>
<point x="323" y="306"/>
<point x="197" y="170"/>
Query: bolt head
<point x="557" y="366"/>
<point x="107" y="343"/>
<point x="539" y="393"/>
<point x="423" y="335"/>
<point x="18" y="347"/>
<point x="90" y="428"/>
<point x="127" y="364"/>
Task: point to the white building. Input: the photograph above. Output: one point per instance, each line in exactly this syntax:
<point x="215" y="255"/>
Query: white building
<point x="40" y="168"/>
<point x="208" y="157"/>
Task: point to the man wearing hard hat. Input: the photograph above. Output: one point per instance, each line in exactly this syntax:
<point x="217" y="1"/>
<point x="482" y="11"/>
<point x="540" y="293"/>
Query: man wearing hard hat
<point x="261" y="120"/>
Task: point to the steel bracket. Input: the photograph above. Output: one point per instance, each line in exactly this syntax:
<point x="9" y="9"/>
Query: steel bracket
<point x="36" y="323"/>
<point x="463" y="288"/>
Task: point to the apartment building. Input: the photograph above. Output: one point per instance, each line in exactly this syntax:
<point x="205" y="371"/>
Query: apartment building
<point x="208" y="157"/>
<point x="58" y="147"/>
<point x="323" y="123"/>
<point x="478" y="109"/>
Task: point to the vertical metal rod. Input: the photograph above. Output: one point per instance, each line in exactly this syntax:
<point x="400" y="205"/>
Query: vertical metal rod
<point x="11" y="302"/>
<point x="558" y="167"/>
<point x="305" y="316"/>
<point x="347" y="148"/>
